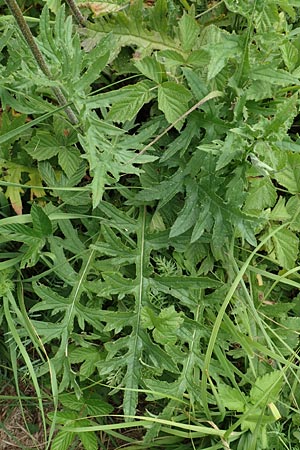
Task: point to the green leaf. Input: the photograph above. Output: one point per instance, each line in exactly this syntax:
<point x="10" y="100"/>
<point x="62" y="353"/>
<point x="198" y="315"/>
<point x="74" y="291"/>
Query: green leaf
<point x="226" y="47"/>
<point x="63" y="440"/>
<point x="286" y="245"/>
<point x="50" y="300"/>
<point x="44" y="145"/>
<point x="173" y="101"/>
<point x="151" y="68"/>
<point x="88" y="439"/>
<point x="232" y="398"/>
<point x="90" y="405"/>
<point x="267" y="386"/>
<point x="244" y="7"/>
<point x="88" y="357"/>
<point x="188" y="215"/>
<point x="293" y="209"/>
<point x="100" y="179"/>
<point x="97" y="406"/>
<point x="280" y="212"/>
<point x="133" y="99"/>
<point x="230" y="150"/>
<point x="53" y="5"/>
<point x="92" y="73"/>
<point x="186" y="282"/>
<point x="41" y="223"/>
<point x="23" y="128"/>
<point x="188" y="32"/>
<point x="289" y="176"/>
<point x="171" y="58"/>
<point x="164" y="326"/>
<point x="203" y="222"/>
<point x="272" y="76"/>
<point x="69" y="160"/>
<point x="290" y="55"/>
<point x="262" y="194"/>
<point x="283" y="119"/>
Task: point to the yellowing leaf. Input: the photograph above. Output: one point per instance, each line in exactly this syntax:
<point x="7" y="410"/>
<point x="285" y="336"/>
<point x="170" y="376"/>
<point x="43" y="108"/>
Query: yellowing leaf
<point x="34" y="182"/>
<point x="13" y="193"/>
<point x="102" y="8"/>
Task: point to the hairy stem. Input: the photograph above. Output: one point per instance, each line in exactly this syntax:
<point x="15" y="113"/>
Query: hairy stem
<point x="76" y="12"/>
<point x="28" y="36"/>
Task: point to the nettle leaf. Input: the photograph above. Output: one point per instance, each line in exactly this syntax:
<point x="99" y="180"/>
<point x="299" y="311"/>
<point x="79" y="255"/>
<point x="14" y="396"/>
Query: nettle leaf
<point x="133" y="99"/>
<point x="188" y="31"/>
<point x="173" y="101"/>
<point x="171" y="58"/>
<point x="232" y="398"/>
<point x="268" y="385"/>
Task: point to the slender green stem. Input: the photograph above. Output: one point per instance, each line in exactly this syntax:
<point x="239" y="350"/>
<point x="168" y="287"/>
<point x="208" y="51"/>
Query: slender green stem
<point x="28" y="36"/>
<point x="76" y="12"/>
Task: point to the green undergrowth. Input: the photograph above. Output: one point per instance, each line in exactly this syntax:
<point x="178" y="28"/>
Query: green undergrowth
<point x="149" y="249"/>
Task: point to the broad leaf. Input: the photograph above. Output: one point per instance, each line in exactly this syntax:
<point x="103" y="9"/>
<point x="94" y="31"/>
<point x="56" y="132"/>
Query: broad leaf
<point x="40" y="221"/>
<point x="268" y="387"/>
<point x="133" y="99"/>
<point x="189" y="31"/>
<point x="232" y="398"/>
<point x="151" y="68"/>
<point x="173" y="101"/>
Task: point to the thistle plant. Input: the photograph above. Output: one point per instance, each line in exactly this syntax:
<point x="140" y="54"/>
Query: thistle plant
<point x="38" y="56"/>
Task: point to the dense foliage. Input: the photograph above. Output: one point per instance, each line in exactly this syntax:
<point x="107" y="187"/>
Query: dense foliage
<point x="149" y="248"/>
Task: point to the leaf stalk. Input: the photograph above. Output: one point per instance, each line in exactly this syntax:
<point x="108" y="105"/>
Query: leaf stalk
<point x="76" y="12"/>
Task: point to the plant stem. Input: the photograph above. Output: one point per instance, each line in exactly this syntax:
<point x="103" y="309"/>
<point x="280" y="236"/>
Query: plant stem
<point x="28" y="36"/>
<point x="76" y="12"/>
